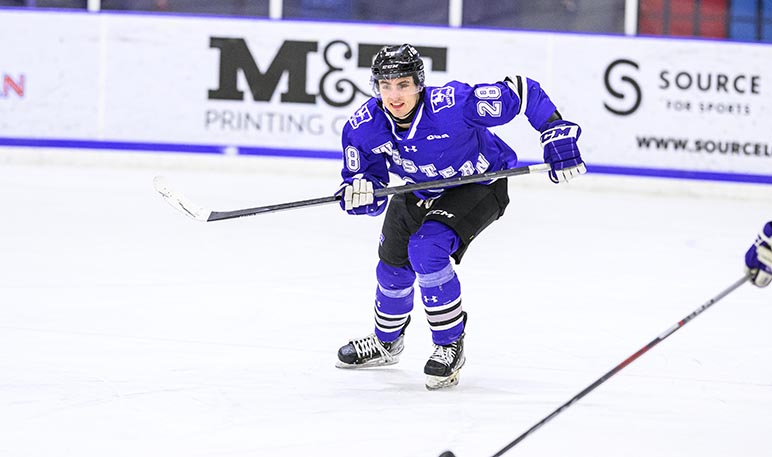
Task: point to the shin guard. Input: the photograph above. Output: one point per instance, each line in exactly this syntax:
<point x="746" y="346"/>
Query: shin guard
<point x="393" y="300"/>
<point x="429" y="251"/>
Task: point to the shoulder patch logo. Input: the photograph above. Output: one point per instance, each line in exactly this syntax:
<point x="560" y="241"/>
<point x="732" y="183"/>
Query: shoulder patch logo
<point x="360" y="117"/>
<point x="442" y="97"/>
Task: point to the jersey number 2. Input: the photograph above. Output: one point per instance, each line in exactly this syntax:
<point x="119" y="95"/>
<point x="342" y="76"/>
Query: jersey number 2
<point x="485" y="106"/>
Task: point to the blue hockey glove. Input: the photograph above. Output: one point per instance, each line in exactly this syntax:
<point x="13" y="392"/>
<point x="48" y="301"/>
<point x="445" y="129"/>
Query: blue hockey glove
<point x="357" y="196"/>
<point x="758" y="259"/>
<point x="558" y="139"/>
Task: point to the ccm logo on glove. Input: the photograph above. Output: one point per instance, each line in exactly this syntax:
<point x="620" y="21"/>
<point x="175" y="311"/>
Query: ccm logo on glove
<point x="559" y="133"/>
<point x="558" y="139"/>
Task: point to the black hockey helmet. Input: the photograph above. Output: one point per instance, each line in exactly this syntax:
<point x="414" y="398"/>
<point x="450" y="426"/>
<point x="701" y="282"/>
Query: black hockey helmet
<point x="393" y="62"/>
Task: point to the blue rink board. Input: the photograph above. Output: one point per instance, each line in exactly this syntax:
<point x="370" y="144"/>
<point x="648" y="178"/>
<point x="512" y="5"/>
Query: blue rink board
<point x="335" y="155"/>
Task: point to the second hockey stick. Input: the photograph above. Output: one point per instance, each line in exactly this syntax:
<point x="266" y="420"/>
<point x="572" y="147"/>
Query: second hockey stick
<point x="188" y="208"/>
<point x="619" y="367"/>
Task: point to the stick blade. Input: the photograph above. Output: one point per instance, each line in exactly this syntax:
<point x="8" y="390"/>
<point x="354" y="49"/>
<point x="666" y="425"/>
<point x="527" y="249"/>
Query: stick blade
<point x="178" y="201"/>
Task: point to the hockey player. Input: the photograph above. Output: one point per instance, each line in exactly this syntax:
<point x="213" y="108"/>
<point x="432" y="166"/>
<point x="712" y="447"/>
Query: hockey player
<point x="424" y="133"/>
<point x="758" y="259"/>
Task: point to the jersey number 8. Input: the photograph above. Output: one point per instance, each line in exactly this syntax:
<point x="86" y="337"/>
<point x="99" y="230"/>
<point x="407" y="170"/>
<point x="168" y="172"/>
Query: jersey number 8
<point x="352" y="158"/>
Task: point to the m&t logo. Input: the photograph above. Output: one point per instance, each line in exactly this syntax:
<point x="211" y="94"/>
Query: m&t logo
<point x="10" y="85"/>
<point x="292" y="61"/>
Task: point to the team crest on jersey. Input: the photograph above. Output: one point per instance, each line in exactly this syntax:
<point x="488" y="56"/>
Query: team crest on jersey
<point x="360" y="117"/>
<point x="442" y="97"/>
<point x="385" y="148"/>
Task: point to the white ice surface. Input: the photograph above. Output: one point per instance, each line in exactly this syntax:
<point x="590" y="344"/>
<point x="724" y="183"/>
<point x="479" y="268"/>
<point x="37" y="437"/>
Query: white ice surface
<point x="127" y="329"/>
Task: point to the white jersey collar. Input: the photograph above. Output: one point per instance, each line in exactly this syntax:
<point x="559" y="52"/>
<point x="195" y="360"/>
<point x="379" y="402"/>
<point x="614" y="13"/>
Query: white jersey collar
<point x="413" y="125"/>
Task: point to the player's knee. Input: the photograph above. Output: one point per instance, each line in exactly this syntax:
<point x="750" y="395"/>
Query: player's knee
<point x="429" y="249"/>
<point x="393" y="277"/>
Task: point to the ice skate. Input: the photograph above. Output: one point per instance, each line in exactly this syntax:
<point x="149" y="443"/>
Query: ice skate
<point x="442" y="368"/>
<point x="371" y="352"/>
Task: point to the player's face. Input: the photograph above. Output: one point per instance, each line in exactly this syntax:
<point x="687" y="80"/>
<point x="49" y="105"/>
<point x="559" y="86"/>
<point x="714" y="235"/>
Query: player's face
<point x="399" y="95"/>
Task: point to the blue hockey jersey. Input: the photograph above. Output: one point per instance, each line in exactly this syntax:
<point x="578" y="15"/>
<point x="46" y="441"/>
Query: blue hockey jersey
<point x="449" y="135"/>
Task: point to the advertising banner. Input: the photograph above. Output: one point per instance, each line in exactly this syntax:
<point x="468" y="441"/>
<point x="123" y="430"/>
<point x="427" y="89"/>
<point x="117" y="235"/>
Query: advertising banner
<point x="250" y="85"/>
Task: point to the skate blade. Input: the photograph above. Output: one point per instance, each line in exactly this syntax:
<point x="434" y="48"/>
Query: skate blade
<point x="368" y="364"/>
<point x="441" y="382"/>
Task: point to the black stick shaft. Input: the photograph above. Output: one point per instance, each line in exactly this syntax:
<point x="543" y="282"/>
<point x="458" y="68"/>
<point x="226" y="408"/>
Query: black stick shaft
<point x="220" y="215"/>
<point x="626" y="362"/>
<point x="442" y="183"/>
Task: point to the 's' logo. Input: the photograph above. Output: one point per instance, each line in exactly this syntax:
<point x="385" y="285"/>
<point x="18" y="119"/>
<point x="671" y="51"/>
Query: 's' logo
<point x="630" y="98"/>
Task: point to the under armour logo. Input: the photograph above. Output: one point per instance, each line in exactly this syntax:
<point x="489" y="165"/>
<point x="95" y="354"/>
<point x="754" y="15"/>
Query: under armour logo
<point x="432" y="299"/>
<point x="411" y="149"/>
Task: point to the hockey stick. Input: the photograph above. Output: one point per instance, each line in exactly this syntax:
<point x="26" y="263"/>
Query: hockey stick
<point x="618" y="368"/>
<point x="188" y="208"/>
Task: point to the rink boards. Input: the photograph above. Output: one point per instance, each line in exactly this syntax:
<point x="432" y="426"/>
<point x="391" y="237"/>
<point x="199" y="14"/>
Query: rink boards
<point x="234" y="86"/>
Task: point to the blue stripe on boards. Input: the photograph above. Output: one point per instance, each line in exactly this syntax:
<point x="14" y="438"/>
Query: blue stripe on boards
<point x="167" y="147"/>
<point x="680" y="174"/>
<point x="337" y="155"/>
